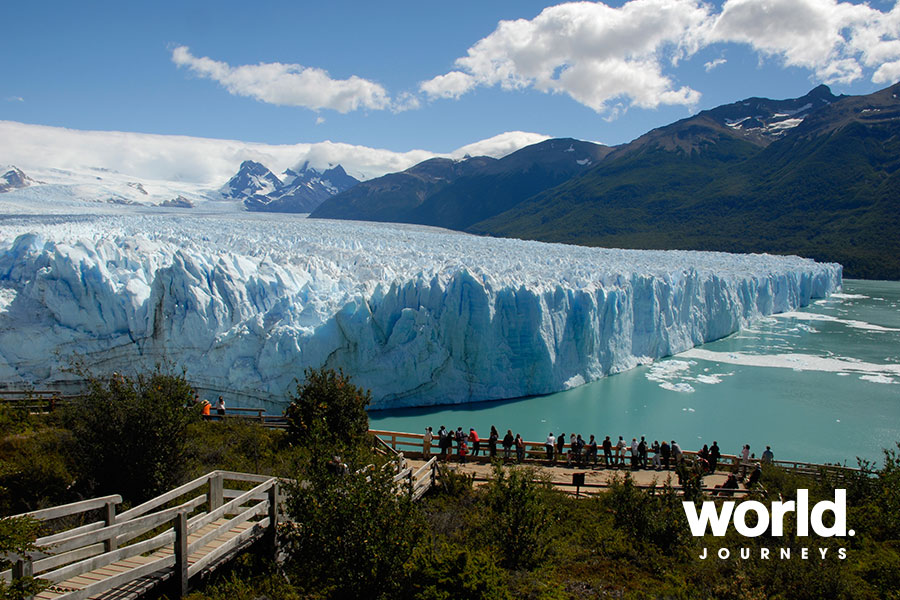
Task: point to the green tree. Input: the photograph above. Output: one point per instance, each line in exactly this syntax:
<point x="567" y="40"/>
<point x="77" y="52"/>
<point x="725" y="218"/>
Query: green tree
<point x="518" y="517"/>
<point x="130" y="434"/>
<point x="17" y="537"/>
<point x="350" y="534"/>
<point x="328" y="411"/>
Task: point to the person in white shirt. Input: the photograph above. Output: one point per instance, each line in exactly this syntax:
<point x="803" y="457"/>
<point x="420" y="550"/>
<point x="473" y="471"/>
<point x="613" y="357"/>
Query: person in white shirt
<point x="620" y="451"/>
<point x="634" y="454"/>
<point x="550" y="445"/>
<point x="426" y="443"/>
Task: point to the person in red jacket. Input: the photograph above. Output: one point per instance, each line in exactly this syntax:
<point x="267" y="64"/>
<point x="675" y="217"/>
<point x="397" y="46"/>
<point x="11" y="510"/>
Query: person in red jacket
<point x="475" y="441"/>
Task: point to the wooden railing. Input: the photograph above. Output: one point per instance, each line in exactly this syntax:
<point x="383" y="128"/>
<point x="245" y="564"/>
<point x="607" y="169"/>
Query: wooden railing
<point x="413" y="443"/>
<point x="73" y="552"/>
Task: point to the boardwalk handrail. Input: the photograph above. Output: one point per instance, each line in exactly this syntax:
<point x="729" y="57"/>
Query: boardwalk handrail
<point x="414" y="442"/>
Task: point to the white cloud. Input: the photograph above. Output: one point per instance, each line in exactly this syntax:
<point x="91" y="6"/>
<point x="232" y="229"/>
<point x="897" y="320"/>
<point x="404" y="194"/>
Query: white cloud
<point x="15" y="99"/>
<point x="595" y="53"/>
<point x="611" y="58"/>
<point x="209" y="161"/>
<point x="320" y="119"/>
<point x="287" y="84"/>
<point x="835" y="40"/>
<point x="709" y="66"/>
<point x="500" y="145"/>
<point x="452" y="85"/>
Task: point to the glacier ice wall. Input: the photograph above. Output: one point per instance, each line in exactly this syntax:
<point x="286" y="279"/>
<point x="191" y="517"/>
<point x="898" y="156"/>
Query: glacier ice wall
<point x="417" y="315"/>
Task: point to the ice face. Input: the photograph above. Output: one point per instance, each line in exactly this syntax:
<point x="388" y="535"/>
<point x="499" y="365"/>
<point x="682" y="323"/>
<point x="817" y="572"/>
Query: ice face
<point x="420" y="316"/>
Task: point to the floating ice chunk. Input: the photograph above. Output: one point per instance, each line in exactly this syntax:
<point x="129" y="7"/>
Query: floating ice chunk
<point x="801" y="316"/>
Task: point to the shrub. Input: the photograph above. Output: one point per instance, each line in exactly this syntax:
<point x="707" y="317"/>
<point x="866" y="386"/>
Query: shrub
<point x="17" y="537"/>
<point x="518" y="518"/>
<point x="450" y="573"/>
<point x="351" y="533"/>
<point x="328" y="411"/>
<point x="130" y="434"/>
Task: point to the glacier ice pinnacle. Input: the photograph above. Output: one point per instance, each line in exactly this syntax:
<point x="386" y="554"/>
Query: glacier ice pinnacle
<point x="420" y="316"/>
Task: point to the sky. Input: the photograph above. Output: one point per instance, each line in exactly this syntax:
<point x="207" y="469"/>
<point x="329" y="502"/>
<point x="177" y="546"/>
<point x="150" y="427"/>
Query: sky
<point x="409" y="79"/>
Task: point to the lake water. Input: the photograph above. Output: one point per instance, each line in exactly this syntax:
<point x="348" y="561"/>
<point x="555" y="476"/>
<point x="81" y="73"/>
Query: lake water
<point x="818" y="385"/>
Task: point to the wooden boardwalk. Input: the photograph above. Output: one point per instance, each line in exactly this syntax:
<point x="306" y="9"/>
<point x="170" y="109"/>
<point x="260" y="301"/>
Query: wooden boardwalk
<point x="176" y="537"/>
<point x="173" y="539"/>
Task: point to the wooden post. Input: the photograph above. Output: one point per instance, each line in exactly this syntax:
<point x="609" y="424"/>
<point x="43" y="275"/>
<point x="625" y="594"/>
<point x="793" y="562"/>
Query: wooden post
<point x="410" y="481"/>
<point x="109" y="518"/>
<point x="216" y="497"/>
<point x="273" y="518"/>
<point x="23" y="568"/>
<point x="181" y="557"/>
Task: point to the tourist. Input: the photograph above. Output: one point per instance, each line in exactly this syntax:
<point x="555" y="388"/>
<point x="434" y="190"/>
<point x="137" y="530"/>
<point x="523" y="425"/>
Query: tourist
<point x="666" y="453"/>
<point x="507" y="443"/>
<point x="607" y="452"/>
<point x="220" y="407"/>
<point x="492" y="442"/>
<point x="204" y="408"/>
<point x="520" y="448"/>
<point x="656" y="457"/>
<point x="634" y="454"/>
<point x="577" y="449"/>
<point x="560" y="445"/>
<point x="642" y="453"/>
<point x="571" y="451"/>
<point x="703" y="458"/>
<point x="677" y="453"/>
<point x="714" y="455"/>
<point x="550" y="446"/>
<point x="476" y="442"/>
<point x="620" y="451"/>
<point x="426" y="443"/>
<point x="768" y="456"/>
<point x="336" y="467"/>
<point x="592" y="451"/>
<point x="745" y="460"/>
<point x="727" y="488"/>
<point x="754" y="476"/>
<point x="443" y="436"/>
<point x="463" y="450"/>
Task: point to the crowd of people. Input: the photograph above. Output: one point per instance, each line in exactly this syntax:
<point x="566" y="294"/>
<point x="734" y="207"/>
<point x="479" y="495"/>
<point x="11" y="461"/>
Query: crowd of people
<point x="578" y="452"/>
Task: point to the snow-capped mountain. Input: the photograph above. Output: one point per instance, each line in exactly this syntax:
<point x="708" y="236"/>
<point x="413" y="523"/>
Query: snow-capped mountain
<point x="300" y="190"/>
<point x="252" y="179"/>
<point x="768" y="120"/>
<point x="14" y="179"/>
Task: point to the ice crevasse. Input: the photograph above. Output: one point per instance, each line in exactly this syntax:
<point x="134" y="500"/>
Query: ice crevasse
<point x="418" y="316"/>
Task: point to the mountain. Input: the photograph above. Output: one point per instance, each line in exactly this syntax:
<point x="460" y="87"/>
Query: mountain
<point x="815" y="176"/>
<point x="300" y="191"/>
<point x="14" y="179"/>
<point x="458" y="193"/>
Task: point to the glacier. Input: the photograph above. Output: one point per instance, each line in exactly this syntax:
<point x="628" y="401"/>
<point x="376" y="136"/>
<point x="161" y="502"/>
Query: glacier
<point x="420" y="316"/>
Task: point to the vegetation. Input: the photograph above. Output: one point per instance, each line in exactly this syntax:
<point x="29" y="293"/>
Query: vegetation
<point x="128" y="434"/>
<point x="352" y="535"/>
<point x="328" y="412"/>
<point x="831" y="197"/>
<point x="17" y="537"/>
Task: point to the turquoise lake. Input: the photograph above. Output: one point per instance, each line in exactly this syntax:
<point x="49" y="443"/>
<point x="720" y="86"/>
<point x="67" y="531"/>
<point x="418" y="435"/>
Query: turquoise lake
<point x="818" y="385"/>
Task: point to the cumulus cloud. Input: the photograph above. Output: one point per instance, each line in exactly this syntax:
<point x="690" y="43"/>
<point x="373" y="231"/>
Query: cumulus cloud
<point x="287" y="84"/>
<point x="209" y="161"/>
<point x="610" y="58"/>
<point x="15" y="99"/>
<point x="595" y="53"/>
